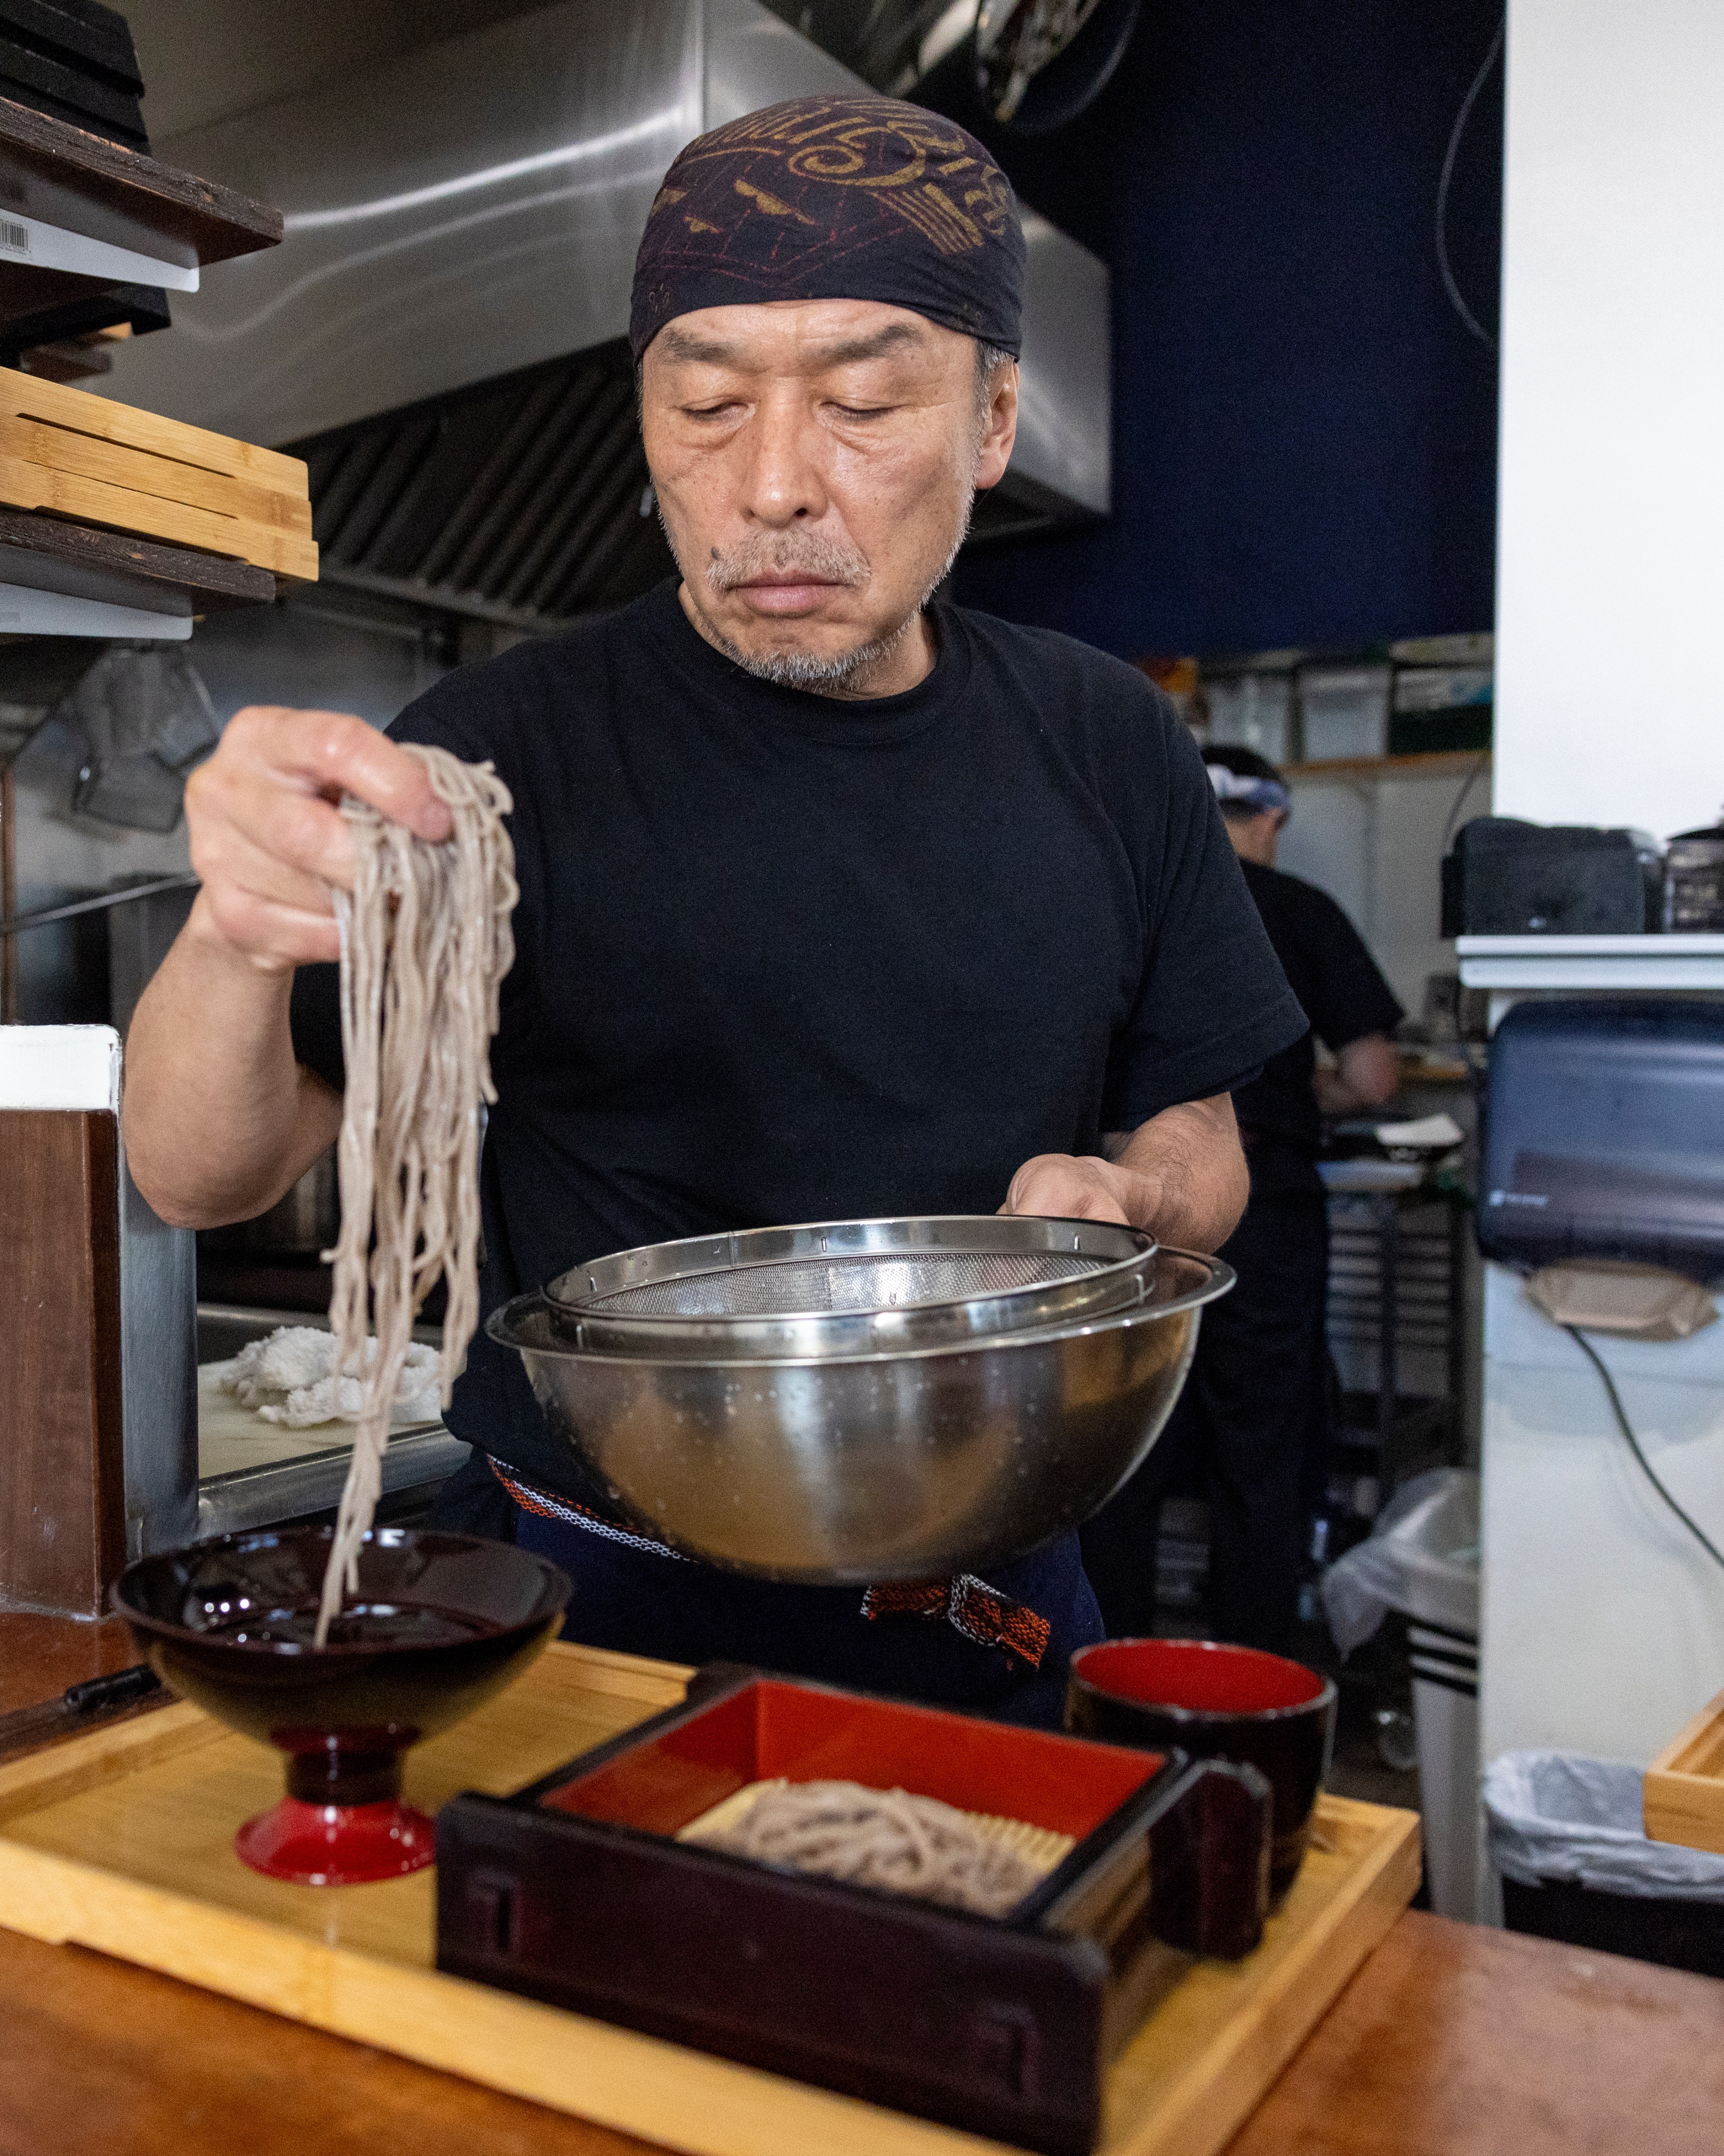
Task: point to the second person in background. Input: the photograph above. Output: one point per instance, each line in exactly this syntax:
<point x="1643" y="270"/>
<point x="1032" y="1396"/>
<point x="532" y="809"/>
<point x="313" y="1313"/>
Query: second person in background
<point x="1255" y="1409"/>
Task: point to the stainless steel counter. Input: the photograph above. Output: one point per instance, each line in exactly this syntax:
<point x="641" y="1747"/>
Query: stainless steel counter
<point x="252" y="1474"/>
<point x="286" y="1489"/>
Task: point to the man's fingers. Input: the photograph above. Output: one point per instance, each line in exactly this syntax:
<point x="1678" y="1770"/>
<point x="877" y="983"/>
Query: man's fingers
<point x="334" y="752"/>
<point x="1061" y="1187"/>
<point x="244" y="830"/>
<point x="271" y="936"/>
<point x="350" y="757"/>
<point x="237" y="861"/>
<point x="1082" y="1201"/>
<point x="267" y="838"/>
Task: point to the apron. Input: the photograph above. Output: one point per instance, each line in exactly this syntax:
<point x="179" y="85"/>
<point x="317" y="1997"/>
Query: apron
<point x="996" y="1644"/>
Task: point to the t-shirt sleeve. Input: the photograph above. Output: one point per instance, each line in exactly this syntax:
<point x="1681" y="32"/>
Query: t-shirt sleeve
<point x="1348" y="996"/>
<point x="1213" y="1004"/>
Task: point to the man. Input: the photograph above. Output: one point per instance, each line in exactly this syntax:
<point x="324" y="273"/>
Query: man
<point x="1254" y="1411"/>
<point x="835" y="900"/>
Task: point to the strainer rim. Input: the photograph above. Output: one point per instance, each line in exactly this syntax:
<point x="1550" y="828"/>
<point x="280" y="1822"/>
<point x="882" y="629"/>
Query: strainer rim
<point x="1124" y="1255"/>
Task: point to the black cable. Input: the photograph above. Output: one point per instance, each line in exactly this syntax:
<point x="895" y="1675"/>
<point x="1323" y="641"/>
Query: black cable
<point x="1450" y="286"/>
<point x="1626" y="1427"/>
<point x="97" y="905"/>
<point x="1467" y="784"/>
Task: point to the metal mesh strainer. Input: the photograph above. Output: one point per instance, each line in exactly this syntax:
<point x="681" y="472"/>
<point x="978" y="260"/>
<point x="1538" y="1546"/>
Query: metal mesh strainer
<point x="849" y="1287"/>
<point x="879" y="1280"/>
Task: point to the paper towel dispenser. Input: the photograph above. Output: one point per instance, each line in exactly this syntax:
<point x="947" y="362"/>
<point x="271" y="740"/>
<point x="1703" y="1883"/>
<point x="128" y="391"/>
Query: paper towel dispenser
<point x="1604" y="1133"/>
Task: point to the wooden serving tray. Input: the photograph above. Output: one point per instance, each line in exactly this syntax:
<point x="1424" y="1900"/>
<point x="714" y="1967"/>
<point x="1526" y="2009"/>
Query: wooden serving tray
<point x="122" y="1840"/>
<point x="86" y="457"/>
<point x="1683" y="1798"/>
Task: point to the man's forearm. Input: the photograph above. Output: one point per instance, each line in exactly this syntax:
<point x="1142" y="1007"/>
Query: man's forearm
<point x="220" y="1120"/>
<point x="1186" y="1180"/>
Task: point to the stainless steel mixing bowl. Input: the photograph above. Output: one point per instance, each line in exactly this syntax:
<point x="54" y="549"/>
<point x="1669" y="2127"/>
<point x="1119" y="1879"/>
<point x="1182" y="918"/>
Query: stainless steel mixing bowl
<point x="878" y="1466"/>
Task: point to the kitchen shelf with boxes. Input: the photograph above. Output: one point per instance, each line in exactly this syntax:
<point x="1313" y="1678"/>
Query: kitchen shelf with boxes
<point x="115" y="522"/>
<point x="1567" y="906"/>
<point x="1404" y="702"/>
<point x="118" y="525"/>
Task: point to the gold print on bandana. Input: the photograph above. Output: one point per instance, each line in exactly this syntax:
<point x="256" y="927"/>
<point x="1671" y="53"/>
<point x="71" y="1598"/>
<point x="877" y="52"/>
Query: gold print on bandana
<point x="840" y="151"/>
<point x="771" y="203"/>
<point x="900" y="161"/>
<point x="939" y="220"/>
<point x="989" y="204"/>
<point x="663" y="200"/>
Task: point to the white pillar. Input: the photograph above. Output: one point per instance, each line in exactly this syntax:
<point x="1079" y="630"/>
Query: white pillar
<point x="1610" y="613"/>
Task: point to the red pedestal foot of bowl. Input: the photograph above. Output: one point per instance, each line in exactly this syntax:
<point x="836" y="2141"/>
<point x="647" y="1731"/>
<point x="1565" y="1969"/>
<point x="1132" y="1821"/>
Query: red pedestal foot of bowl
<point x="336" y="1845"/>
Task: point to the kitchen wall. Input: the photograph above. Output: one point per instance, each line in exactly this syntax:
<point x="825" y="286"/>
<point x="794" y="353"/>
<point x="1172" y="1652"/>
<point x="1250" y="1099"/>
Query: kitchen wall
<point x="1305" y="430"/>
<point x="1609" y="686"/>
<point x="1374" y="841"/>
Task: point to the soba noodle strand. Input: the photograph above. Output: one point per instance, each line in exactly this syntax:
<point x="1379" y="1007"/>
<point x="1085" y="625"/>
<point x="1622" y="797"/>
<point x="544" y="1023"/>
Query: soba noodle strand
<point x="425" y="944"/>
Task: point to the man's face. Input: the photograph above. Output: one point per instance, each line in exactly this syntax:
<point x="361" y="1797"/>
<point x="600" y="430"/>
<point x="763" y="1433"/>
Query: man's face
<point x="1255" y="838"/>
<point x="814" y="461"/>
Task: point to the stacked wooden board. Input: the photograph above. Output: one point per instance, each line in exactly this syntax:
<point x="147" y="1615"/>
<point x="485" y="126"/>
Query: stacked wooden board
<point x="69" y="454"/>
<point x="115" y="521"/>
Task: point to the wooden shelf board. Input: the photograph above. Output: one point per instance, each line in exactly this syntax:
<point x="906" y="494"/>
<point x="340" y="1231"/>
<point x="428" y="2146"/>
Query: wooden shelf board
<point x="210" y="581"/>
<point x="217" y="222"/>
<point x="1432" y="764"/>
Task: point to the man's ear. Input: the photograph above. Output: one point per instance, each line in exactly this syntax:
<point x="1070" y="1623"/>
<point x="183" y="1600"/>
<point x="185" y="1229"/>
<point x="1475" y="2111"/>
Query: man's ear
<point x="1001" y="429"/>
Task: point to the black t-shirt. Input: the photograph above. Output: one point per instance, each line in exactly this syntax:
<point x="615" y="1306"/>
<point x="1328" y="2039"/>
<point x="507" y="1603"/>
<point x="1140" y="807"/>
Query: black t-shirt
<point x="785" y="958"/>
<point x="1345" y="995"/>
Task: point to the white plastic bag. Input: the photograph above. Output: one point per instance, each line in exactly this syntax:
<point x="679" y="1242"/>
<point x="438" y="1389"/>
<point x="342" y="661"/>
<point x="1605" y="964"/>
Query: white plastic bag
<point x="1422" y="1557"/>
<point x="1559" y="1815"/>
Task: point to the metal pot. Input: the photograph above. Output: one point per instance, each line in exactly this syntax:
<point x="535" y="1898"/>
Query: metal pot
<point x="308" y="1219"/>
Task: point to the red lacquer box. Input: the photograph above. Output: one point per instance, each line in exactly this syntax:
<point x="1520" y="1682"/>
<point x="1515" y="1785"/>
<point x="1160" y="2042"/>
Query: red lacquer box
<point x="576" y="1891"/>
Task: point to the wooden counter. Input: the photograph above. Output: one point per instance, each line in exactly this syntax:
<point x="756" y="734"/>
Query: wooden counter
<point x="1450" y="2041"/>
<point x="39" y="1656"/>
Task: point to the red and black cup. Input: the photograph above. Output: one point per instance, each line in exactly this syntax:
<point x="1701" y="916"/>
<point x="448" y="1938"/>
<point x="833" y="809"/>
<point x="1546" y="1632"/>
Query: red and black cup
<point x="1214" y="1702"/>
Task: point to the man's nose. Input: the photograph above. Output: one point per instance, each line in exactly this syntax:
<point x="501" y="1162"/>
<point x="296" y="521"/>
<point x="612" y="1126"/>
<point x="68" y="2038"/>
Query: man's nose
<point x="782" y="482"/>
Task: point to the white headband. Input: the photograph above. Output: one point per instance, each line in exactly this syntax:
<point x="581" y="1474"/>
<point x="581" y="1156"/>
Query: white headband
<point x="1264" y="794"/>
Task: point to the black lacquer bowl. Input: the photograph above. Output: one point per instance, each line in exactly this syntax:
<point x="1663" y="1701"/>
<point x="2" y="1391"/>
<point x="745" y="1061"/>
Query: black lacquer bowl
<point x="440" y="1624"/>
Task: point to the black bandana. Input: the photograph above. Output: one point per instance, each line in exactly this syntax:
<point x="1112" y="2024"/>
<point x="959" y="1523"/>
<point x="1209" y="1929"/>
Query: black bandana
<point x="835" y="198"/>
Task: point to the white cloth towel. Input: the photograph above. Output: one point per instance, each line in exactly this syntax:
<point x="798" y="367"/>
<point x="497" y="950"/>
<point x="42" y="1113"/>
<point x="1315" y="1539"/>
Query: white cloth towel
<point x="289" y="1378"/>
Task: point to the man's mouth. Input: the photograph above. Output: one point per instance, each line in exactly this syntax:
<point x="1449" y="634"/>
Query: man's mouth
<point x="787" y="591"/>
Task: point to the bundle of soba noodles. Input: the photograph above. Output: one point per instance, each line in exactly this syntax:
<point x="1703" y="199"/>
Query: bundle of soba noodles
<point x="887" y="1839"/>
<point x="425" y="944"/>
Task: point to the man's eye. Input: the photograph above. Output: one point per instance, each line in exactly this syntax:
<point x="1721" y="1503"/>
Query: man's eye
<point x="709" y="411"/>
<point x="861" y="411"/>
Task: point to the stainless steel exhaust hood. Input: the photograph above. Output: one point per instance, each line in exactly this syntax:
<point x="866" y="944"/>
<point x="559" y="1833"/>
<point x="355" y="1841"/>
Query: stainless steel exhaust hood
<point x="439" y="330"/>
